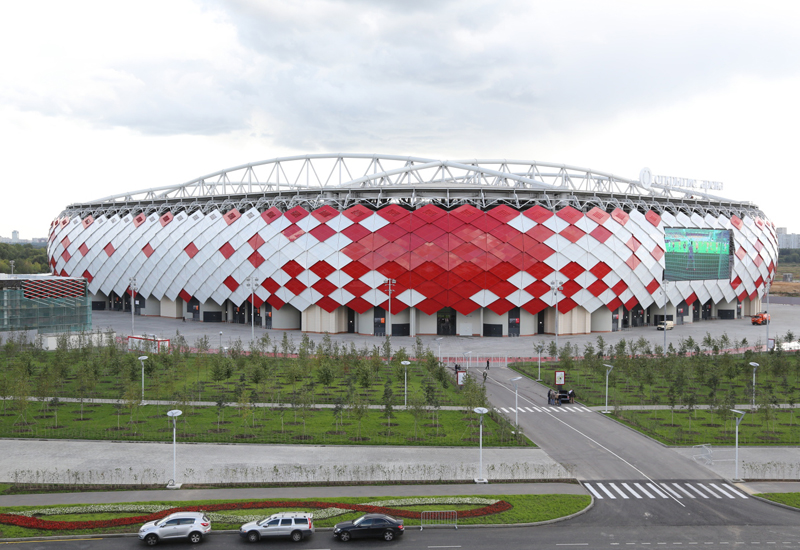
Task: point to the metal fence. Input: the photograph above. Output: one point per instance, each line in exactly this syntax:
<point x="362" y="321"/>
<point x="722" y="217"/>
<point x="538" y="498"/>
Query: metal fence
<point x="438" y="517"/>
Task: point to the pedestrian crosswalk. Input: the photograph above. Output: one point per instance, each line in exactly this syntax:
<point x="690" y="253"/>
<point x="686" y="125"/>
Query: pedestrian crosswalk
<point x="550" y="409"/>
<point x="667" y="489"/>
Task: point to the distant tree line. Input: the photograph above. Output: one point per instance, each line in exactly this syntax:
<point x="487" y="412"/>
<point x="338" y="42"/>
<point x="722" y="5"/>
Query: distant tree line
<point x="27" y="259"/>
<point x="789" y="255"/>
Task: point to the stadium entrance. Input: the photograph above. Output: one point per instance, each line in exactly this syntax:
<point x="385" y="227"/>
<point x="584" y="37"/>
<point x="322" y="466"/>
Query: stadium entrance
<point x="446" y="322"/>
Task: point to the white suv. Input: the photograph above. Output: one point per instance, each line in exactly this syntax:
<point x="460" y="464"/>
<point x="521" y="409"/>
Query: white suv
<point x="191" y="525"/>
<point x="293" y="525"/>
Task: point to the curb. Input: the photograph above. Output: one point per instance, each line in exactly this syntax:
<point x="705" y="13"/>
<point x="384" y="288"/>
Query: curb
<point x="773" y="503"/>
<point x="98" y="536"/>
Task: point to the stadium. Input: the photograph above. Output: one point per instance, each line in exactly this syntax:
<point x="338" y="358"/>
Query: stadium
<point x="414" y="246"/>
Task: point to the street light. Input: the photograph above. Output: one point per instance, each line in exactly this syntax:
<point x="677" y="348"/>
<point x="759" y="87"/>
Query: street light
<point x="11" y="263"/>
<point x="755" y="366"/>
<point x="142" y="359"/>
<point x="251" y="284"/>
<point x="609" y="368"/>
<point x="516" y="400"/>
<point x="481" y="411"/>
<point x="664" y="290"/>
<point x="405" y="382"/>
<point x="389" y="282"/>
<point x="439" y="343"/>
<point x="556" y="287"/>
<point x="468" y="357"/>
<point x="539" y="348"/>
<point x="220" y="341"/>
<point x="133" y="300"/>
<point x="174" y="414"/>
<point x="738" y="420"/>
<point x="768" y="319"/>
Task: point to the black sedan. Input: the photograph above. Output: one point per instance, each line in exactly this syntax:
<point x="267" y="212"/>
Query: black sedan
<point x="368" y="526"/>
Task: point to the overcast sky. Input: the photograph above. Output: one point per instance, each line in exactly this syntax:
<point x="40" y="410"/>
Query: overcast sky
<point x="98" y="98"/>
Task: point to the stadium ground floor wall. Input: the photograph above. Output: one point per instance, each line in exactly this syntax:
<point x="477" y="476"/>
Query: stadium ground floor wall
<point x="482" y="322"/>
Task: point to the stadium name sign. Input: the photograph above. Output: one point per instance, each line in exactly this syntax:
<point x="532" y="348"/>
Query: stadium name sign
<point x="672" y="181"/>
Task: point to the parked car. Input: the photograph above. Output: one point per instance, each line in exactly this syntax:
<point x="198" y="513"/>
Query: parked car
<point x="368" y="526"/>
<point x="760" y="319"/>
<point x="189" y="525"/>
<point x="665" y="325"/>
<point x="292" y="525"/>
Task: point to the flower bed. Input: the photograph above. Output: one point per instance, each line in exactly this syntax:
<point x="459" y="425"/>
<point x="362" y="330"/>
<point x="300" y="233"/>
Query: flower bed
<point x="26" y="519"/>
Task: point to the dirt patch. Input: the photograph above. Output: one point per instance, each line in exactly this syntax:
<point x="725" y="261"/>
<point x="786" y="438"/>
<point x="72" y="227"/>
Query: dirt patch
<point x="218" y="431"/>
<point x="712" y="425"/>
<point x="244" y="436"/>
<point x="415" y="439"/>
<point x="41" y="416"/>
<point x="432" y="425"/>
<point x="768" y="437"/>
<point x="359" y="439"/>
<point x="390" y="424"/>
<point x="303" y="437"/>
<point x="334" y="432"/>
<point x="117" y="429"/>
<point x="84" y="419"/>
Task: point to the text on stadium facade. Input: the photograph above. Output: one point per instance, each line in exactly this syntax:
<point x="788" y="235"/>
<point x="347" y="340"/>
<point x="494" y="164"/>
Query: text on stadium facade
<point x="672" y="181"/>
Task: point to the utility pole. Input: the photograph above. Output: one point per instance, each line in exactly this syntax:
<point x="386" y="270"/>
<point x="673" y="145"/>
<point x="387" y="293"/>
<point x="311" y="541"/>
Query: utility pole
<point x="389" y="282"/>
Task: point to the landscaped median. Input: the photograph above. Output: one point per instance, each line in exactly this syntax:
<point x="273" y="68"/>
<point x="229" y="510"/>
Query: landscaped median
<point x="29" y="521"/>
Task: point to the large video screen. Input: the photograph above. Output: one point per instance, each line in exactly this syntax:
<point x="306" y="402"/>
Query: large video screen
<point x="697" y="254"/>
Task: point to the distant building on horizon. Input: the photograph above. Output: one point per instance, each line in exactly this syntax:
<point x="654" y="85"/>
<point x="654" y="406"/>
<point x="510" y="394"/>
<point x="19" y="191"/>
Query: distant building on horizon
<point x="787" y="240"/>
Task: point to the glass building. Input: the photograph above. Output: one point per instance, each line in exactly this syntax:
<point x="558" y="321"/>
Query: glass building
<point x="45" y="303"/>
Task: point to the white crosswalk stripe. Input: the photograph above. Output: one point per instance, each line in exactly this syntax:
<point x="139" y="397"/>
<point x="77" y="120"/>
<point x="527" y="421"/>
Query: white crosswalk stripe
<point x="543" y="409"/>
<point x="502" y="409"/>
<point x="682" y="490"/>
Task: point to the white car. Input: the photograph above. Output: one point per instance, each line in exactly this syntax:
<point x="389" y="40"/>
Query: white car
<point x="189" y="525"/>
<point x="293" y="525"/>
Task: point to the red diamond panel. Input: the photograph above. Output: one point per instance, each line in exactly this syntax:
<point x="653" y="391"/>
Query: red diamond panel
<point x="448" y="223"/>
<point x="226" y="250"/>
<point x="393" y="213"/>
<point x="429" y="289"/>
<point x="429" y="271"/>
<point x="465" y="289"/>
<point x="373" y="241"/>
<point x="569" y="214"/>
<point x="653" y="218"/>
<point x="325" y="213"/>
<point x="409" y="279"/>
<point x="148" y="250"/>
<point x="324" y="287"/>
<point x="296" y="214"/>
<point x="597" y="288"/>
<point x="538" y="214"/>
<point x="619" y="288"/>
<point x="600" y="233"/>
<point x="691" y="298"/>
<point x="653" y="286"/>
<point x="355" y="251"/>
<point x="232" y="216"/>
<point x="270" y="285"/>
<point x="185" y="296"/>
<point x="466" y="213"/>
<point x="467" y="232"/>
<point x="486" y="262"/>
<point x="359" y="305"/>
<point x="357" y="213"/>
<point x="504" y="270"/>
<point x="166" y="218"/>
<point x="600" y="270"/>
<point x="500" y="306"/>
<point x="322" y="232"/>
<point x="453" y="260"/>
<point x="467" y="271"/>
<point x="538" y="289"/>
<point x="534" y="306"/>
<point x="737" y="223"/>
<point x="448" y="280"/>
<point x="255" y="242"/>
<point x="570" y="288"/>
<point x="322" y="269"/>
<point x="275" y="302"/>
<point x="633" y="262"/>
<point x="597" y="215"/>
<point x="109" y="249"/>
<point x="355" y="270"/>
<point x="328" y="304"/>
<point x="657" y="253"/>
<point x="620" y="216"/>
<point x="355" y="232"/>
<point x="191" y="250"/>
<point x="540" y="270"/>
<point x="256" y="259"/>
<point x="448" y="242"/>
<point x="736" y="282"/>
<point x="412" y="222"/>
<point x="392" y="270"/>
<point x="504" y="233"/>
<point x="759" y="246"/>
<point x="372" y="260"/>
<point x="465" y="306"/>
<point x="66" y="255"/>
<point x="429" y="251"/>
<point x="566" y="305"/>
<point x="294" y="286"/>
<point x="572" y="270"/>
<point x="741" y="253"/>
<point x="503" y="213"/>
<point x="231" y="283"/>
<point x="614" y="304"/>
<point x="540" y="233"/>
<point x="758" y="261"/>
<point x="630" y="304"/>
<point x="65" y="242"/>
<point x="357" y="287"/>
<point x="429" y="306"/>
<point x="391" y="232"/>
<point x="84" y="250"/>
<point x="293" y="232"/>
<point x="429" y="213"/>
<point x="429" y="232"/>
<point x="139" y="220"/>
<point x="255" y="300"/>
<point x="391" y="251"/>
<point x="292" y="268"/>
<point x="572" y="233"/>
<point x="541" y="252"/>
<point x="485" y="223"/>
<point x="270" y="216"/>
<point x="633" y="243"/>
<point x="503" y="289"/>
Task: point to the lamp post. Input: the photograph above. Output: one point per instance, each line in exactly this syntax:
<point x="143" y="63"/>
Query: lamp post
<point x="220" y="341"/>
<point x="755" y="366"/>
<point x="468" y="357"/>
<point x="768" y="319"/>
<point x="389" y="282"/>
<point x="142" y="359"/>
<point x="664" y="290"/>
<point x="556" y="287"/>
<point x="480" y="411"/>
<point x="540" y="348"/>
<point x="11" y="263"/>
<point x="516" y="400"/>
<point x="132" y="281"/>
<point x="174" y="414"/>
<point x="250" y="283"/>
<point x="738" y="420"/>
<point x="609" y="368"/>
<point x="405" y="382"/>
<point x="439" y="343"/>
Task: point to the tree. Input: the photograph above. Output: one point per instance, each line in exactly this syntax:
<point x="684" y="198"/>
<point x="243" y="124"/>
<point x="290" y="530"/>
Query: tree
<point x="359" y="409"/>
<point x="387" y="399"/>
<point x="416" y="406"/>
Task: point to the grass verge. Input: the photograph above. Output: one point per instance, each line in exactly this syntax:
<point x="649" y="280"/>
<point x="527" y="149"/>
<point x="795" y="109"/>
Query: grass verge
<point x="789" y="499"/>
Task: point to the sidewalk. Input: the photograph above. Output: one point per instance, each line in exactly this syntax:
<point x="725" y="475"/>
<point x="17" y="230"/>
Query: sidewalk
<point x="377" y="491"/>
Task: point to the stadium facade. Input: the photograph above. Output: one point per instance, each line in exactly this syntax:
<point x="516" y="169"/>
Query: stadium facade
<point x="475" y="247"/>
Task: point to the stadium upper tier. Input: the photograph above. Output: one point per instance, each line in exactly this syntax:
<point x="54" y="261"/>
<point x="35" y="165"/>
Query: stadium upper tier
<point x="488" y="242"/>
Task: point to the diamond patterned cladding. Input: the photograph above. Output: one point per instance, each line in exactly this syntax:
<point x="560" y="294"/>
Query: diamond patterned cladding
<point x="226" y="250"/>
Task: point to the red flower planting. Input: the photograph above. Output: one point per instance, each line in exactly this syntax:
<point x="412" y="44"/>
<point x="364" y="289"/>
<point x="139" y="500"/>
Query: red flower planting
<point x="37" y="523"/>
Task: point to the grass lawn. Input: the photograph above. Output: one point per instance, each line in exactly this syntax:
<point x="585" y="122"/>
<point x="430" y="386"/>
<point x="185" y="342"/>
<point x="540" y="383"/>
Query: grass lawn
<point x="789" y="499"/>
<point x="525" y="509"/>
<point x="249" y="424"/>
<point x="701" y="426"/>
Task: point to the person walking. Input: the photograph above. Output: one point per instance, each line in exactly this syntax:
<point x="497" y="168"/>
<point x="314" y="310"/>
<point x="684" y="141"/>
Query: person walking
<point x="487" y="364"/>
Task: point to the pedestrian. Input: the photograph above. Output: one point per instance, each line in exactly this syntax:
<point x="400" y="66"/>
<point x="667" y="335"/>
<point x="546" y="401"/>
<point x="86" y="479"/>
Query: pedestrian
<point x="487" y="364"/>
<point x="571" y="394"/>
<point x="484" y="377"/>
<point x="549" y="397"/>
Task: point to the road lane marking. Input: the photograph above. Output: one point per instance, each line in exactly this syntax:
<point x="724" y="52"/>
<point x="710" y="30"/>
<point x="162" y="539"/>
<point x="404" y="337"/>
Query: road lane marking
<point x="688" y="494"/>
<point x="591" y="490"/>
<point x="696" y="490"/>
<point x="444" y="547"/>
<point x="630" y="489"/>
<point x="721" y="490"/>
<point x="733" y="490"/>
<point x="673" y="493"/>
<point x="51" y="540"/>
<point x="572" y="544"/>
<point x="642" y="489"/>
<point x="709" y="491"/>
<point x="617" y="489"/>
<point x="657" y="491"/>
<point x="606" y="491"/>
